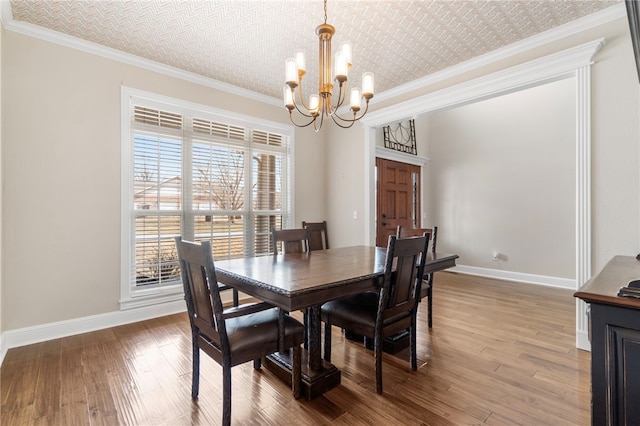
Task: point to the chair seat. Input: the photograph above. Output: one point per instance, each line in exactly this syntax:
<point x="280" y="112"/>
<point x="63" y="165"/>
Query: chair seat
<point x="260" y="329"/>
<point x="360" y="309"/>
<point x="357" y="312"/>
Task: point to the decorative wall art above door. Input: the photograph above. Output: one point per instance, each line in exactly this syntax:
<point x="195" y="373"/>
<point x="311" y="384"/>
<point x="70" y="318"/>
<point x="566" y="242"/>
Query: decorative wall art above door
<point x="401" y="137"/>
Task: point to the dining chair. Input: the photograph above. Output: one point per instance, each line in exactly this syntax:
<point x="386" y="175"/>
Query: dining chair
<point x="231" y="336"/>
<point x="393" y="309"/>
<point x="318" y="237"/>
<point x="427" y="285"/>
<point x="293" y="240"/>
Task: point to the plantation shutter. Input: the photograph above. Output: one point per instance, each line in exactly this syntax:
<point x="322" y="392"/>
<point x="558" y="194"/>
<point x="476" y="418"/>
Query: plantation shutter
<point x="219" y="190"/>
<point x="157" y="194"/>
<point x="205" y="180"/>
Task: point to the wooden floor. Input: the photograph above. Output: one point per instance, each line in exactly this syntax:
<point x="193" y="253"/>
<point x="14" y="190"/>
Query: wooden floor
<point x="499" y="353"/>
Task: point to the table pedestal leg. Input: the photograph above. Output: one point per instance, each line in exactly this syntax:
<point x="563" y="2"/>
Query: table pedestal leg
<point x="318" y="376"/>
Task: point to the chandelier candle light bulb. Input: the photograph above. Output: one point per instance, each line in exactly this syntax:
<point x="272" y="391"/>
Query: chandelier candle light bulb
<point x="355" y="100"/>
<point x="367" y="85"/>
<point x="318" y="109"/>
<point x="300" y="63"/>
<point x="314" y="103"/>
<point x="288" y="98"/>
<point x="291" y="72"/>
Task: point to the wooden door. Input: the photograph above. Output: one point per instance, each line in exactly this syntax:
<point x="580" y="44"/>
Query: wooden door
<point x="398" y="198"/>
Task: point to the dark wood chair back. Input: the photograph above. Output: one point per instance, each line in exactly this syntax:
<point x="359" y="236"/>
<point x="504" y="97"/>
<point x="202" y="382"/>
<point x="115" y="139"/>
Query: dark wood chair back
<point x="318" y="237"/>
<point x="404" y="232"/>
<point x="427" y="284"/>
<point x="404" y="266"/>
<point x="293" y="240"/>
<point x="233" y="336"/>
<point x="201" y="292"/>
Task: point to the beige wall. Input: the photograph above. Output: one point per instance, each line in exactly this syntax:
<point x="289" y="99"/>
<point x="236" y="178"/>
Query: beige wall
<point x="61" y="169"/>
<point x="503" y="179"/>
<point x="615" y="150"/>
<point x="345" y="180"/>
<point x="60" y="166"/>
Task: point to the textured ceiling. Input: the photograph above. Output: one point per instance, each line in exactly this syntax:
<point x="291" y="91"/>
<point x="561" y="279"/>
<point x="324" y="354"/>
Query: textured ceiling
<point x="245" y="43"/>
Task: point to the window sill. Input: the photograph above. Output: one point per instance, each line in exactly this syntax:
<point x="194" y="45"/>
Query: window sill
<point x="142" y="298"/>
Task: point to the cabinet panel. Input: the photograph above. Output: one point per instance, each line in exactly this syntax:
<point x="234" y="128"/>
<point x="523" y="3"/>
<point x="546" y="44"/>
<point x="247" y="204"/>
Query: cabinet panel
<point x="623" y="371"/>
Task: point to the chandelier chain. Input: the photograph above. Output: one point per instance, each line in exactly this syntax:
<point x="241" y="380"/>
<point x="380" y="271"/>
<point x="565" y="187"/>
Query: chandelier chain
<point x="325" y="11"/>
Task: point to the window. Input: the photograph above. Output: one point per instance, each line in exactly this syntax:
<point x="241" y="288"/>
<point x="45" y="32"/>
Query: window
<point x="200" y="173"/>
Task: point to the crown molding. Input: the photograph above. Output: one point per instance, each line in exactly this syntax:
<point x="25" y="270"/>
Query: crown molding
<point x="591" y="21"/>
<point x="106" y="52"/>
<point x="555" y="66"/>
<point x="558" y="33"/>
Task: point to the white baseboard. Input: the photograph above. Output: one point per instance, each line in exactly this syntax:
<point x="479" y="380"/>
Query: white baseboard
<point x="3" y="350"/>
<point x="516" y="276"/>
<point x="582" y="341"/>
<point x="55" y="330"/>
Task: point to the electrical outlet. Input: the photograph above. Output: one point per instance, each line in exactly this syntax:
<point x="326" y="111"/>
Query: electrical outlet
<point x="496" y="256"/>
<point x="355" y="214"/>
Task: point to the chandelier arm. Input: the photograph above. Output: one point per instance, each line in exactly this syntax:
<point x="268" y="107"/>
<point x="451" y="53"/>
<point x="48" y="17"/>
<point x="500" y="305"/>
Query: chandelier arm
<point x="319" y="126"/>
<point x="350" y="120"/>
<point x="299" y="110"/>
<point x="342" y="94"/>
<point x="300" y="96"/>
<point x="301" y="125"/>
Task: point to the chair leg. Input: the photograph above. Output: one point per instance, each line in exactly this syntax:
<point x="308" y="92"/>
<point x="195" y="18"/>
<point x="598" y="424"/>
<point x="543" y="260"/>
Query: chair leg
<point x="226" y="394"/>
<point x="430" y="302"/>
<point x="257" y="363"/>
<point x="296" y="372"/>
<point x="235" y="297"/>
<point x="413" y="347"/>
<point x="195" y="370"/>
<point x="377" y="357"/>
<point x="327" y="341"/>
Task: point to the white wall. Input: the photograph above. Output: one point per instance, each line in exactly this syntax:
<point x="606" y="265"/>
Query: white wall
<point x="61" y="170"/>
<point x="503" y="179"/>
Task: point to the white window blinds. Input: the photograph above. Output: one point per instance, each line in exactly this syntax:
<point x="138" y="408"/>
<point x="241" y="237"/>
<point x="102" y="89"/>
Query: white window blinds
<point x="205" y="179"/>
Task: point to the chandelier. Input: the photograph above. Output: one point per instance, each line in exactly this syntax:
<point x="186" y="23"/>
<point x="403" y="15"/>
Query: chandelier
<point x="322" y="104"/>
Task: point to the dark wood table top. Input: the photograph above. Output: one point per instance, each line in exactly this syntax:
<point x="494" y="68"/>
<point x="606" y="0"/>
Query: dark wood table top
<point x="299" y="280"/>
<point x="603" y="288"/>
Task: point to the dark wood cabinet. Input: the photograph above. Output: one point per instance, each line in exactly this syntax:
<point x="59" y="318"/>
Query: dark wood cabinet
<point x="615" y="344"/>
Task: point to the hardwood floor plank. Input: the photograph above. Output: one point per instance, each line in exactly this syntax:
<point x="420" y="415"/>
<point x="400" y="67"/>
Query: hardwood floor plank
<point x="500" y="353"/>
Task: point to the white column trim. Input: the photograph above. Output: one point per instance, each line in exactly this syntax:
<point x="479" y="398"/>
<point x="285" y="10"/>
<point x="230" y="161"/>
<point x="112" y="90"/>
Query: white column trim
<point x="583" y="198"/>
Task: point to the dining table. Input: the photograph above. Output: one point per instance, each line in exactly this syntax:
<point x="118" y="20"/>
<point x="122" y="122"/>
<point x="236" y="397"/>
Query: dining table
<point x="304" y="281"/>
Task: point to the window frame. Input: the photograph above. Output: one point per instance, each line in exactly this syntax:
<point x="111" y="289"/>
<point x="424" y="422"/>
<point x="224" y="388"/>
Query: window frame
<point x="130" y="296"/>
